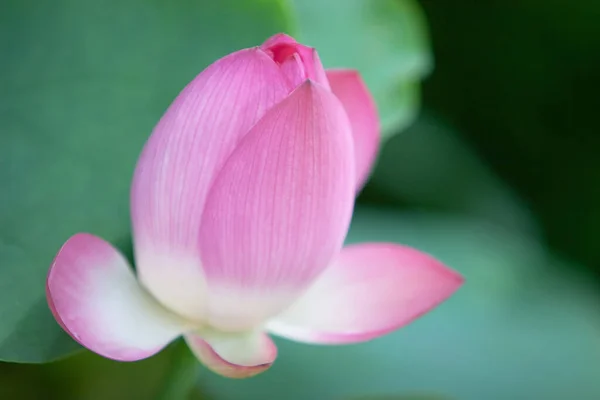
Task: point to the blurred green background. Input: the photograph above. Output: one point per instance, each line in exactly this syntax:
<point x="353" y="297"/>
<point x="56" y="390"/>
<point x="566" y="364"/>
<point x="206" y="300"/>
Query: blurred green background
<point x="491" y="162"/>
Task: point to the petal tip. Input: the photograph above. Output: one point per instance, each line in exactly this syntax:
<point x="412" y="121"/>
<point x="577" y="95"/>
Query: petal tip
<point x="311" y="89"/>
<point x="308" y="84"/>
<point x="372" y="290"/>
<point x="446" y="279"/>
<point x="277" y="39"/>
<point x="453" y="279"/>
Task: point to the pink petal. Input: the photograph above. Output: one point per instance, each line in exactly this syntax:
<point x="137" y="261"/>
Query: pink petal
<point x="95" y="297"/>
<point x="313" y="65"/>
<point x="349" y="87"/>
<point x="278" y="39"/>
<point x="299" y="62"/>
<point x="279" y="210"/>
<point x="371" y="290"/>
<point x="178" y="165"/>
<point x="293" y="70"/>
<point x="235" y="355"/>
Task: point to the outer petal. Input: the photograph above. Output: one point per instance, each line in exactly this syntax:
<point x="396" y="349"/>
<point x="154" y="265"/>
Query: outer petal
<point x="236" y="355"/>
<point x="178" y="165"/>
<point x="349" y="87"/>
<point x="279" y="210"/>
<point x="371" y="290"/>
<point x="95" y="297"/>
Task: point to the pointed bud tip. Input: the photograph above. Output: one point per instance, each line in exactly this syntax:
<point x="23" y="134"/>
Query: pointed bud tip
<point x="309" y="90"/>
<point x="278" y="38"/>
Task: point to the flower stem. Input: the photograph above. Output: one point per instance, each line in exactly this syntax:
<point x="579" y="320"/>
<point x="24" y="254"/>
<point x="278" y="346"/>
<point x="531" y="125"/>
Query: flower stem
<point x="182" y="374"/>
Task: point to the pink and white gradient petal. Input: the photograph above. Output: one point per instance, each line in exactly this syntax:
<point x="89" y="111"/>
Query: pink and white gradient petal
<point x="96" y="298"/>
<point x="371" y="290"/>
<point x="349" y="87"/>
<point x="178" y="165"/>
<point x="235" y="355"/>
<point x="279" y="210"/>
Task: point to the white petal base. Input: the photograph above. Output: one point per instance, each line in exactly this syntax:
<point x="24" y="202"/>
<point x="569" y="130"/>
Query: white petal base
<point x="240" y="355"/>
<point x="371" y="290"/>
<point x="96" y="298"/>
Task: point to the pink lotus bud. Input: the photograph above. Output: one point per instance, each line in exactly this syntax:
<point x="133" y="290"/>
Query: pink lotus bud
<point x="240" y="203"/>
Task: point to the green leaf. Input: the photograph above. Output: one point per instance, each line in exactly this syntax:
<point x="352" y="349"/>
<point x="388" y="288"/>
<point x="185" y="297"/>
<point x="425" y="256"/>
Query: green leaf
<point x="82" y="83"/>
<point x="530" y="110"/>
<point x="400" y="397"/>
<point x="88" y="376"/>
<point x="399" y="107"/>
<point x="386" y="40"/>
<point x="516" y="330"/>
<point x="433" y="167"/>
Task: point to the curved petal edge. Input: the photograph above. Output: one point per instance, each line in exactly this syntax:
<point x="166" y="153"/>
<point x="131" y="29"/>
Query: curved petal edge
<point x="179" y="163"/>
<point x="371" y="290"/>
<point x="94" y="296"/>
<point x="351" y="90"/>
<point x="234" y="355"/>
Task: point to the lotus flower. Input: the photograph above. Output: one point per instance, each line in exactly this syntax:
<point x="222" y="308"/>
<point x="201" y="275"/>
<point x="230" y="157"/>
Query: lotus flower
<point x="240" y="204"/>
